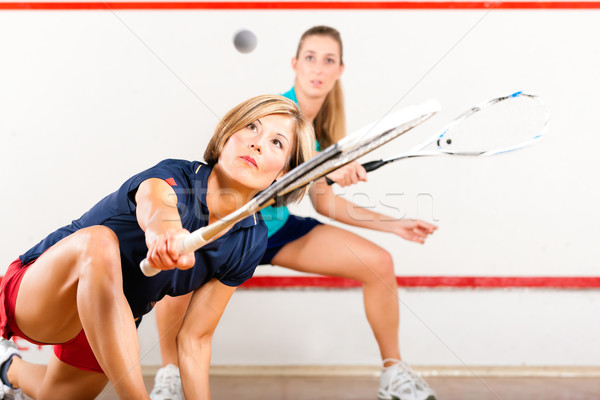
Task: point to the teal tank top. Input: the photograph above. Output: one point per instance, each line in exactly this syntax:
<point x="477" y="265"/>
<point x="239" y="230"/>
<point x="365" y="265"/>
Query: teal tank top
<point x="276" y="217"/>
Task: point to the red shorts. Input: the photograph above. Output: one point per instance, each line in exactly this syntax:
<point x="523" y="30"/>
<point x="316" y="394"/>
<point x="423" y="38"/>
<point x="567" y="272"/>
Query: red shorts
<point x="76" y="352"/>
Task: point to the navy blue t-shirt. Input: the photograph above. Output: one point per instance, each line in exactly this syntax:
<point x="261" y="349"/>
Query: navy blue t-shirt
<point x="231" y="259"/>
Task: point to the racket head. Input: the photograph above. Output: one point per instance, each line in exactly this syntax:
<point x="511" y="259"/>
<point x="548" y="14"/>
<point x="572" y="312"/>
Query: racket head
<point x="497" y="126"/>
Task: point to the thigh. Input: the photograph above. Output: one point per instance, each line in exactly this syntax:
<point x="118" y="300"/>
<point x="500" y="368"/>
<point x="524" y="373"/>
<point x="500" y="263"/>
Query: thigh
<point x="46" y="305"/>
<point x="170" y="312"/>
<point x="63" y="381"/>
<point x="329" y="250"/>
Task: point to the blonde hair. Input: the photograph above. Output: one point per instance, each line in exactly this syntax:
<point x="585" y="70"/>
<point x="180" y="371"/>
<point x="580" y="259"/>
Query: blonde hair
<point x="249" y="111"/>
<point x="330" y="122"/>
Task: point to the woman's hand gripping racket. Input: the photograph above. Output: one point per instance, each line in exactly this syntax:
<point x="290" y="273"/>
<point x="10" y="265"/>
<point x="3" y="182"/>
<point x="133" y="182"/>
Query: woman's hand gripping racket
<point x="346" y="150"/>
<point x="497" y="126"/>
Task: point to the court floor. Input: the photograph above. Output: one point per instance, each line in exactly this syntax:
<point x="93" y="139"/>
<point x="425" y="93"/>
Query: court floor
<point x="364" y="388"/>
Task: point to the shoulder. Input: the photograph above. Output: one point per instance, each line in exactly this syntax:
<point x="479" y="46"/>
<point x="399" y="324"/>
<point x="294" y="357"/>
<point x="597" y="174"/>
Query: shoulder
<point x="175" y="172"/>
<point x="179" y="174"/>
<point x="291" y="94"/>
<point x="183" y="165"/>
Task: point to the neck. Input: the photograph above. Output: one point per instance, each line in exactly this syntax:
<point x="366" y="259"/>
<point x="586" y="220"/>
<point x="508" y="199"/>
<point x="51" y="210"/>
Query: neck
<point x="224" y="195"/>
<point x="309" y="106"/>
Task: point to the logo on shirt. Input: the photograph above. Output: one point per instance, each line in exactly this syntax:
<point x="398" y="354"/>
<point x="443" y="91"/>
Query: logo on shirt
<point x="171" y="181"/>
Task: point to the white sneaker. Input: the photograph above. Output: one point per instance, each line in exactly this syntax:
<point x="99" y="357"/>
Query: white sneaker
<point x="9" y="393"/>
<point x="167" y="384"/>
<point x="400" y="382"/>
<point x="8" y="348"/>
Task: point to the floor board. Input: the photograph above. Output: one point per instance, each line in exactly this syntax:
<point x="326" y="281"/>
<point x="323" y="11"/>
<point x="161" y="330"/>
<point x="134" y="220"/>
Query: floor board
<point x="351" y="388"/>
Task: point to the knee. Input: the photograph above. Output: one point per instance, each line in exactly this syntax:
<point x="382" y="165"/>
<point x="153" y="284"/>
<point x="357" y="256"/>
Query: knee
<point x="99" y="247"/>
<point x="99" y="236"/>
<point x="382" y="263"/>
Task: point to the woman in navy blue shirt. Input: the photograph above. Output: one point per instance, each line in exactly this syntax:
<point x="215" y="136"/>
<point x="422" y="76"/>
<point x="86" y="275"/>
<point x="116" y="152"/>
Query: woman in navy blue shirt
<point x="81" y="288"/>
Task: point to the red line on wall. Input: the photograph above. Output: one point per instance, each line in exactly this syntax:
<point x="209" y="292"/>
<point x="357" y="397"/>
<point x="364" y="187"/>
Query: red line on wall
<point x="303" y="5"/>
<point x="489" y="282"/>
<point x="464" y="282"/>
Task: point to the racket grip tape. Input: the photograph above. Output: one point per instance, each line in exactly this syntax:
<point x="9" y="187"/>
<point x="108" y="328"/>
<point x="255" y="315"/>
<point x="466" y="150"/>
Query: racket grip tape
<point x="373" y="165"/>
<point x="147" y="270"/>
<point x="191" y="243"/>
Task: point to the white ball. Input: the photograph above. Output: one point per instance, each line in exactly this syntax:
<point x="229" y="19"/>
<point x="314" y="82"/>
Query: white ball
<point x="245" y="41"/>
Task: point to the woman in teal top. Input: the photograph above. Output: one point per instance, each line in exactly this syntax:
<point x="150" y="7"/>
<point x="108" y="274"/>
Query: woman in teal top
<point x="305" y="244"/>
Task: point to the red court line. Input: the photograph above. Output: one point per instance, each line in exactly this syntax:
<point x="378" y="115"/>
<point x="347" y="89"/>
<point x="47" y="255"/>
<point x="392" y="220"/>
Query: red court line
<point x="488" y="282"/>
<point x="465" y="282"/>
<point x="303" y="5"/>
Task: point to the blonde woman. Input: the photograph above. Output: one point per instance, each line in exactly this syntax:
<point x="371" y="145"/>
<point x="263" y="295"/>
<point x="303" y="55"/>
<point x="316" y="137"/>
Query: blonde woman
<point x="304" y="244"/>
<point x="81" y="288"/>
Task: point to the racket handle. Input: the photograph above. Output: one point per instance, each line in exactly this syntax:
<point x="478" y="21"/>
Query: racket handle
<point x="147" y="269"/>
<point x="373" y="165"/>
<point x="191" y="243"/>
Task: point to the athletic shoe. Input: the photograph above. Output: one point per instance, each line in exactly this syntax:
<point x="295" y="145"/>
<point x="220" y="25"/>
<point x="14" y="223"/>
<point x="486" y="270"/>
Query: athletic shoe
<point x="167" y="384"/>
<point x="9" y="393"/>
<point x="400" y="382"/>
<point x="7" y="349"/>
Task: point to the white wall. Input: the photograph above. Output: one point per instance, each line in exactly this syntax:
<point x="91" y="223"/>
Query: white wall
<point x="87" y="98"/>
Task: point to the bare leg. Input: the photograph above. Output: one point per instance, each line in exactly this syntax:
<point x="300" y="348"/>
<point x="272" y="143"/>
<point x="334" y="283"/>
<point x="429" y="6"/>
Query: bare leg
<point x="77" y="284"/>
<point x="354" y="258"/>
<point x="170" y="312"/>
<point x="60" y="381"/>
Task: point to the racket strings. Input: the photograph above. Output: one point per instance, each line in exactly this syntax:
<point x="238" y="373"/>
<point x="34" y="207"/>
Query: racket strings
<point x="499" y="126"/>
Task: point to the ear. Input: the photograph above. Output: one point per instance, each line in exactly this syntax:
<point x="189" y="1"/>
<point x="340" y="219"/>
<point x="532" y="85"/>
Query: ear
<point x="342" y="67"/>
<point x="294" y="63"/>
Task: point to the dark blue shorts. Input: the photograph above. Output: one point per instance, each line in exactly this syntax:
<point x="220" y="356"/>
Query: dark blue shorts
<point x="293" y="229"/>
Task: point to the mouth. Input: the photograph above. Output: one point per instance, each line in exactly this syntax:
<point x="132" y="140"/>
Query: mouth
<point x="250" y="161"/>
<point x="316" y="82"/>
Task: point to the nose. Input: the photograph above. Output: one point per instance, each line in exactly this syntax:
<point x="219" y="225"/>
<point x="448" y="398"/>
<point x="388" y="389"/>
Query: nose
<point x="256" y="147"/>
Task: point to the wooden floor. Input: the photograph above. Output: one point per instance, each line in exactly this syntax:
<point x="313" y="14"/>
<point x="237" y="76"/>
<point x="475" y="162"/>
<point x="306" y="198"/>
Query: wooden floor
<point x="365" y="388"/>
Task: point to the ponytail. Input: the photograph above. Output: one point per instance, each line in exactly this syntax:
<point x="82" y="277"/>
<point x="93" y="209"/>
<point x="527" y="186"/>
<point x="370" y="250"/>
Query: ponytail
<point x="330" y="122"/>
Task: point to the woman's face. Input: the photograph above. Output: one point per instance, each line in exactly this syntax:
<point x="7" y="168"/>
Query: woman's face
<point x="256" y="155"/>
<point x="318" y="65"/>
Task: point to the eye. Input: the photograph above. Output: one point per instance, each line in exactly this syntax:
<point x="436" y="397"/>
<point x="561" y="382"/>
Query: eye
<point x="277" y="143"/>
<point x="309" y="58"/>
<point x="252" y="127"/>
<point x="330" y="61"/>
